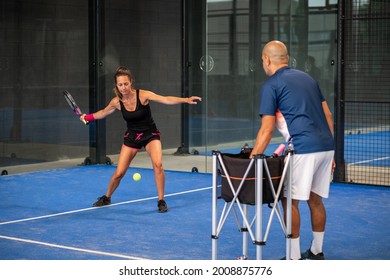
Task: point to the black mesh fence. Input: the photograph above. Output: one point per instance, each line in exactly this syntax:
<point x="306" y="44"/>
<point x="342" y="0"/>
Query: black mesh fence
<point x="367" y="143"/>
<point x="366" y="91"/>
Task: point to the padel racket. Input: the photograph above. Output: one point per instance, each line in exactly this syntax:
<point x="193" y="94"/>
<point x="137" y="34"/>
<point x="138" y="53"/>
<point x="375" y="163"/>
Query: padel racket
<point x="72" y="103"/>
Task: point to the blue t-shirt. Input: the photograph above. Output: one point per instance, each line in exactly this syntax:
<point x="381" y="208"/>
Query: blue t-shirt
<point x="299" y="99"/>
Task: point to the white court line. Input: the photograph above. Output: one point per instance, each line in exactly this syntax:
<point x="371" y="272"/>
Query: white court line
<point x="95" y="208"/>
<point x="71" y="248"/>
<point x="369" y="160"/>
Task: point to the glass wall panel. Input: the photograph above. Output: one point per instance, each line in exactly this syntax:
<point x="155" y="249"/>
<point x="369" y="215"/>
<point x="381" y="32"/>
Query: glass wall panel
<point x="146" y="37"/>
<point x="230" y="68"/>
<point x="212" y="50"/>
<point x="43" y="51"/>
<point x="227" y="69"/>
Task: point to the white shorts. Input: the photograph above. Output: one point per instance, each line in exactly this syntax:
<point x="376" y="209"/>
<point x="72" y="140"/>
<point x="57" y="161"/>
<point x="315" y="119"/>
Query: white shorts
<point x="311" y="173"/>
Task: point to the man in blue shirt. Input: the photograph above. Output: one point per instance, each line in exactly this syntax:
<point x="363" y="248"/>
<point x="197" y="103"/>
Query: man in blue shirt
<point x="296" y="96"/>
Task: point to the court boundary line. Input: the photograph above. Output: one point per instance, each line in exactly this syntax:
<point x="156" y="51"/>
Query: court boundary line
<point x="368" y="160"/>
<point x="96" y="208"/>
<point x="52" y="245"/>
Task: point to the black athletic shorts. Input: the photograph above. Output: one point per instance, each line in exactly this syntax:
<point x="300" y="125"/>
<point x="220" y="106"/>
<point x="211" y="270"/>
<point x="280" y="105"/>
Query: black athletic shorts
<point x="137" y="140"/>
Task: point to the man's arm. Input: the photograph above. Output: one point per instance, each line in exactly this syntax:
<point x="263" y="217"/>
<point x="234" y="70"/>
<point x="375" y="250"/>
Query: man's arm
<point x="328" y="115"/>
<point x="329" y="119"/>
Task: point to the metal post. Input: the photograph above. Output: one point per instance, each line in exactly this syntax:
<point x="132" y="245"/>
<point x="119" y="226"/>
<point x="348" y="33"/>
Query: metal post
<point x="259" y="205"/>
<point x="214" y="207"/>
<point x="245" y="234"/>
<point x="289" y="205"/>
<point x="339" y="174"/>
<point x="97" y="130"/>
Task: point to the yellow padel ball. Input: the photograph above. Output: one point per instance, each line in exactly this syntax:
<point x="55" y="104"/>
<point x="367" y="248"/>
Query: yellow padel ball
<point x="136" y="177"/>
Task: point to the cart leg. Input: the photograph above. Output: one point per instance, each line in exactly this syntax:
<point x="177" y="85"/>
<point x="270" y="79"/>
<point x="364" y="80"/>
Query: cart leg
<point x="288" y="209"/>
<point x="214" y="236"/>
<point x="259" y="206"/>
<point x="244" y="231"/>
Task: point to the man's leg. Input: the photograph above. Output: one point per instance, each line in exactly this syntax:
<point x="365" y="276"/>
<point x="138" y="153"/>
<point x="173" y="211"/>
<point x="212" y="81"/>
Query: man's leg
<point x="318" y="221"/>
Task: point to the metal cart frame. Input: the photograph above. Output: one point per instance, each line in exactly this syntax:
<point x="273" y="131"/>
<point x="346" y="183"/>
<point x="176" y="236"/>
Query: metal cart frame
<point x="258" y="238"/>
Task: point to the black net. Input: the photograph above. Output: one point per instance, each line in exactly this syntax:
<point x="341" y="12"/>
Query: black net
<point x="237" y="165"/>
<point x="367" y="143"/>
<point x="367" y="91"/>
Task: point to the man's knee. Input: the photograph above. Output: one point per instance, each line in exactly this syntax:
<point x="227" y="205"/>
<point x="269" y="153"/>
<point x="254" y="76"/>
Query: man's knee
<point x="315" y="200"/>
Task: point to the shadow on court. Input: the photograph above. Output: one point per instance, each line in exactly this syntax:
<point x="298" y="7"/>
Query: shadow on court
<point x="48" y="216"/>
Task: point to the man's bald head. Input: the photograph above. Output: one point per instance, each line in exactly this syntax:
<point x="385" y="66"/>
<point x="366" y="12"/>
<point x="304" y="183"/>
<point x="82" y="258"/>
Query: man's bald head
<point x="275" y="56"/>
<point x="277" y="51"/>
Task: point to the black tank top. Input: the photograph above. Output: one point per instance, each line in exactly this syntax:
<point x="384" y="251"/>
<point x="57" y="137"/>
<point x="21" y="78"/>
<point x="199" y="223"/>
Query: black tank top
<point x="140" y="119"/>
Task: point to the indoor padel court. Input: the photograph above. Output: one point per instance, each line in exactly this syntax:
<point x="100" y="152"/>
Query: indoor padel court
<point x="47" y="215"/>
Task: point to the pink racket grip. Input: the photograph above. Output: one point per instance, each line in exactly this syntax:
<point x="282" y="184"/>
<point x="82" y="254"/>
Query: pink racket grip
<point x="279" y="149"/>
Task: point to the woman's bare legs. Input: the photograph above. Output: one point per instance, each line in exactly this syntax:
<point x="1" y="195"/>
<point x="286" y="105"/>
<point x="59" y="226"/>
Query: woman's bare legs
<point x="126" y="156"/>
<point x="155" y="152"/>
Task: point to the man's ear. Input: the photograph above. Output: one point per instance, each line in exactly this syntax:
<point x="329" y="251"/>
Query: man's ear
<point x="267" y="60"/>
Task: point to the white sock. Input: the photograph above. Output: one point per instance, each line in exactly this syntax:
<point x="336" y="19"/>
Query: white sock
<point x="295" y="249"/>
<point x="316" y="244"/>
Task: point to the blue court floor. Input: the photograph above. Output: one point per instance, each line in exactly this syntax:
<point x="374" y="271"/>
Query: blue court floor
<point x="47" y="215"/>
